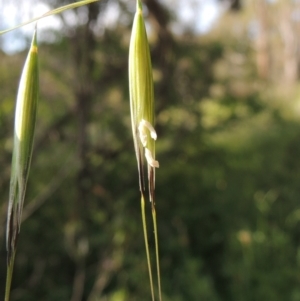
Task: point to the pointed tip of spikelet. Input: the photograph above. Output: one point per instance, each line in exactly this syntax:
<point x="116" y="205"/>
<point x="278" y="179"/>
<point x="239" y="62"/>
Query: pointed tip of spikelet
<point x="139" y="5"/>
<point x="34" y="47"/>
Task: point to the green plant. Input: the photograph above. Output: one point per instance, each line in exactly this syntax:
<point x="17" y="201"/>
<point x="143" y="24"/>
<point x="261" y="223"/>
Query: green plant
<point x="142" y="119"/>
<point x="25" y="116"/>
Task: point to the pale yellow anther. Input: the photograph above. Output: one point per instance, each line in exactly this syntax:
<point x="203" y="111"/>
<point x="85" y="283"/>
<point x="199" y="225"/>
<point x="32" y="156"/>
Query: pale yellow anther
<point x="143" y="126"/>
<point x="142" y="134"/>
<point x="151" y="161"/>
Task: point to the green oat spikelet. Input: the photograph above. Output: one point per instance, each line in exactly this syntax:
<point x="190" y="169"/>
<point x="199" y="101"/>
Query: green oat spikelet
<point x="25" y="116"/>
<point x="142" y="99"/>
<point x="142" y="120"/>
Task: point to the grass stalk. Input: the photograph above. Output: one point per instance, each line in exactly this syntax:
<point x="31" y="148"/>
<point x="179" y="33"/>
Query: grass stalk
<point x="146" y="244"/>
<point x="51" y="13"/>
<point x="156" y="250"/>
<point x="10" y="268"/>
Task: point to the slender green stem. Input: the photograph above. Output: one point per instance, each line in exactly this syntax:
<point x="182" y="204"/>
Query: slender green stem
<point x="50" y="13"/>
<point x="146" y="244"/>
<point x="156" y="251"/>
<point x="10" y="268"/>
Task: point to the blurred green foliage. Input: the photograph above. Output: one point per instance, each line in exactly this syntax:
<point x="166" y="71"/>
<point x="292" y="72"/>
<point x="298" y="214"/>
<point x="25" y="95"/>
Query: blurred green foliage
<point x="227" y="190"/>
